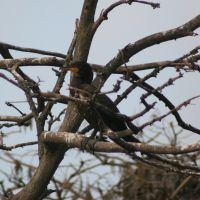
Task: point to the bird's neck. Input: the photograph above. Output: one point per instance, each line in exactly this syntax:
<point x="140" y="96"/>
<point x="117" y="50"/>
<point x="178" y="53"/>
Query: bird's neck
<point x="77" y="81"/>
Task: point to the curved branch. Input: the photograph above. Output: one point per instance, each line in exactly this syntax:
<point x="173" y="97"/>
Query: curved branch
<point x="104" y="14"/>
<point x="131" y="49"/>
<point x="166" y="101"/>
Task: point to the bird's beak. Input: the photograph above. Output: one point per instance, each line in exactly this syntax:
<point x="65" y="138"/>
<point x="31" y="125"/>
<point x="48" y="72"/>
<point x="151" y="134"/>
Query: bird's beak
<point x="71" y="68"/>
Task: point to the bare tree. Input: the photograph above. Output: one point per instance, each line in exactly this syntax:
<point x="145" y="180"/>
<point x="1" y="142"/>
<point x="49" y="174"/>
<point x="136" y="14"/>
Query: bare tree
<point x="52" y="145"/>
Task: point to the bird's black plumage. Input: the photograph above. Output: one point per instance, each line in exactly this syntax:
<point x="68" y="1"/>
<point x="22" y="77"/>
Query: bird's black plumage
<point x="95" y="115"/>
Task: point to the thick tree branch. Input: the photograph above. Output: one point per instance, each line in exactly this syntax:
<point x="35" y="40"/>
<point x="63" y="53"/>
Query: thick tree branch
<point x="20" y="120"/>
<point x="54" y="62"/>
<point x="85" y="33"/>
<point x="45" y="61"/>
<point x="52" y="158"/>
<point x="131" y="49"/>
<point x="56" y="144"/>
<point x="71" y="140"/>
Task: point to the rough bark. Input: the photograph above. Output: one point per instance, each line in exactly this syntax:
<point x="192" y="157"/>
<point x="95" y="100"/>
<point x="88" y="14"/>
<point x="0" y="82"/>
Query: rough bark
<point x="52" y="157"/>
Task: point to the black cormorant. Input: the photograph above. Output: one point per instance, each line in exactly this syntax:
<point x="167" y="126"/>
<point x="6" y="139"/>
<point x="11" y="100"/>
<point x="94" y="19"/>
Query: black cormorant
<point x="96" y="116"/>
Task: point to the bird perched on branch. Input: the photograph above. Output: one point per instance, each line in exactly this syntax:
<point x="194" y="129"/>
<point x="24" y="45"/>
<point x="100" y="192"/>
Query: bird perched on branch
<point x="101" y="113"/>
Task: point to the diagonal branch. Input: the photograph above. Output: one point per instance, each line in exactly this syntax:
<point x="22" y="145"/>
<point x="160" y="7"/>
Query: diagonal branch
<point x="30" y="50"/>
<point x="131" y="49"/>
<point x="184" y="104"/>
<point x="10" y="148"/>
<point x="140" y="82"/>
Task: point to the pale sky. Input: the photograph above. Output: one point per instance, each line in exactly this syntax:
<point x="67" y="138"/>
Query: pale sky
<point x="49" y="25"/>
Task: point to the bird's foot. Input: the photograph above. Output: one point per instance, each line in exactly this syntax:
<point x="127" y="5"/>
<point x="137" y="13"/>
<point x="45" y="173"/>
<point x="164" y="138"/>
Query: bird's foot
<point x="88" y="143"/>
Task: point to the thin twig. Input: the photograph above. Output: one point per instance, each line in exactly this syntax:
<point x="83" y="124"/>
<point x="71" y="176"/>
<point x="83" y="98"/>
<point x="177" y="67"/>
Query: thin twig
<point x="9" y="148"/>
<point x="184" y="104"/>
<point x="31" y="50"/>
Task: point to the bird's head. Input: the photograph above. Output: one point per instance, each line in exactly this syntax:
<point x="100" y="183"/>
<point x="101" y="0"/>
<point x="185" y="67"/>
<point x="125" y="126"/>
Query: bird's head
<point x="82" y="71"/>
